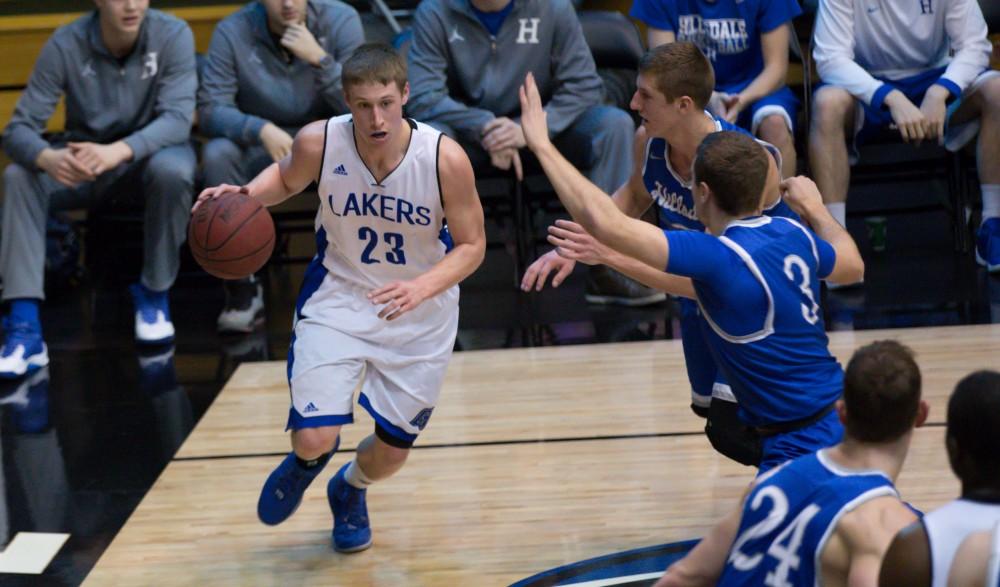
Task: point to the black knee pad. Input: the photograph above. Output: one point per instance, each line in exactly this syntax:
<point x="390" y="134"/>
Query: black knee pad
<point x="389" y="439"/>
<point x="730" y="436"/>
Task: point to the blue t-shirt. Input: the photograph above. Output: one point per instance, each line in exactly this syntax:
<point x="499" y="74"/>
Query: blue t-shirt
<point x="727" y="31"/>
<point x="758" y="291"/>
<point x="492" y="20"/>
<point x="789" y="516"/>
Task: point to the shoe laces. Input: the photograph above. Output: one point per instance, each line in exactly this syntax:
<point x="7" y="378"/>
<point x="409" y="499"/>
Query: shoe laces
<point x="354" y="513"/>
<point x="292" y="482"/>
<point x="148" y="303"/>
<point x="17" y="333"/>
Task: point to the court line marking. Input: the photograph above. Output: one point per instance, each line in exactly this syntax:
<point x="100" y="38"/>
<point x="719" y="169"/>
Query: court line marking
<point x="29" y="553"/>
<point x="474" y="444"/>
<point x="493" y="443"/>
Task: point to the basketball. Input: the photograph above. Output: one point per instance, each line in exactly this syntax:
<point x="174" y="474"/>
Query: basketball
<point x="231" y="236"/>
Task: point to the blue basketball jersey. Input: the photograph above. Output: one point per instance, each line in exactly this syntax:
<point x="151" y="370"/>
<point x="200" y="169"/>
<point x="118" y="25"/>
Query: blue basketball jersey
<point x="671" y="193"/>
<point x="727" y="31"/>
<point x="758" y="291"/>
<point x="675" y="210"/>
<point x="789" y="516"/>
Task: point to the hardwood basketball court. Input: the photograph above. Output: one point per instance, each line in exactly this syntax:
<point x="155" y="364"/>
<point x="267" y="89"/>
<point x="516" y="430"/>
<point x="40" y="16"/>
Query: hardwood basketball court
<point x="535" y="458"/>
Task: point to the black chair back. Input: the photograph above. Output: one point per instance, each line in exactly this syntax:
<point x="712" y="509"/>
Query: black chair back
<point x="613" y="39"/>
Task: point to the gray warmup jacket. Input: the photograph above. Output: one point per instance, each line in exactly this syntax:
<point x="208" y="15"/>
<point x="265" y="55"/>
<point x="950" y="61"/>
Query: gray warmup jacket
<point x="247" y="81"/>
<point x="147" y="99"/>
<point x="462" y="76"/>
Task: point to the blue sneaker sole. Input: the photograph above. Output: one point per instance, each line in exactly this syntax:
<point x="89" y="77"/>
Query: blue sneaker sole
<point x="352" y="549"/>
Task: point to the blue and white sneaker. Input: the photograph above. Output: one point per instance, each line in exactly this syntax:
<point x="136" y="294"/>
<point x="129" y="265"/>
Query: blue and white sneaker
<point x="283" y="490"/>
<point x="23" y="350"/>
<point x="152" y="315"/>
<point x="351" y="530"/>
<point x="988" y="245"/>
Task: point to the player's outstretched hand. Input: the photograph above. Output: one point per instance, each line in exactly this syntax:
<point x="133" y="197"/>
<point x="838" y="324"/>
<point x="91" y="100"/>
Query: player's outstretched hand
<point x="802" y="195"/>
<point x="215" y="192"/>
<point x="533" y="124"/>
<point x="573" y="242"/>
<point x="398" y="297"/>
<point x="538" y="272"/>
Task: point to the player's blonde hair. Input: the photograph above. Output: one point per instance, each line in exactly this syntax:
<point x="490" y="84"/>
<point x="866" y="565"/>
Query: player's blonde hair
<point x="680" y="69"/>
<point x="374" y="63"/>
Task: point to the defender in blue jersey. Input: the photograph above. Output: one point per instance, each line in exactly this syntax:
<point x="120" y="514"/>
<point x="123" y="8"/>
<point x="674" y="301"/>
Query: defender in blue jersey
<point x="759" y="294"/>
<point x="674" y="84"/>
<point x="829" y="517"/>
<point x="747" y="42"/>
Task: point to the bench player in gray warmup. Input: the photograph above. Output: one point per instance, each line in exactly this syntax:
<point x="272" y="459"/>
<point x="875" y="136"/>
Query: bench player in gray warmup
<point x="128" y="75"/>
<point x="272" y="67"/>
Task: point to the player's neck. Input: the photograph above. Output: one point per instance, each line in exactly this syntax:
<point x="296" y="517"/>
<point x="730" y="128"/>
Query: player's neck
<point x="887" y="457"/>
<point x="118" y="42"/>
<point x="685" y="138"/>
<point x="382" y="159"/>
<point x="986" y="490"/>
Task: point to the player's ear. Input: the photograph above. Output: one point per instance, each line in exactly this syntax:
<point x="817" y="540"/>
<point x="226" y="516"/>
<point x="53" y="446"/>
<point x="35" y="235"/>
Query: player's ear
<point x="923" y="409"/>
<point x="841" y="408"/>
<point x="406" y="93"/>
<point x="703" y="192"/>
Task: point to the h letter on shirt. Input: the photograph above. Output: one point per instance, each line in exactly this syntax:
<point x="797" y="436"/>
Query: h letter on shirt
<point x="528" y="33"/>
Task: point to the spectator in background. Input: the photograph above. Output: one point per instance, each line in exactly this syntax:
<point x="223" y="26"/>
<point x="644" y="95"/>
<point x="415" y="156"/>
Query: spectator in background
<point x="128" y="75"/>
<point x="920" y="65"/>
<point x="272" y="67"/>
<point x="467" y="60"/>
<point x="747" y="43"/>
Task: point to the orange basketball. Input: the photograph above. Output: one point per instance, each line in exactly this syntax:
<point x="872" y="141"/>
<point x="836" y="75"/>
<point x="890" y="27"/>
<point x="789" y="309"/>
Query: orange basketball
<point x="231" y="236"/>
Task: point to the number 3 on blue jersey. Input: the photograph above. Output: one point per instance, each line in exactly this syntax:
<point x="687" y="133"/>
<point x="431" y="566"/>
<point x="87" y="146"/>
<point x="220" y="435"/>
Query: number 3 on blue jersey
<point x="394" y="255"/>
<point x="810" y="311"/>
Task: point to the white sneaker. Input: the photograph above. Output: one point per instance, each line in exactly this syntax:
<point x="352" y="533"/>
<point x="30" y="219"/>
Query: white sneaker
<point x="159" y="331"/>
<point x="23" y="349"/>
<point x="152" y="316"/>
<point x="244" y="309"/>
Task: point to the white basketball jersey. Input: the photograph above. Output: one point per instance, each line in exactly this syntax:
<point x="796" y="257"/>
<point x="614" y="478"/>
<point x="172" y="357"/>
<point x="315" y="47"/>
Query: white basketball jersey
<point x="949" y="525"/>
<point x="376" y="233"/>
<point x="993" y="567"/>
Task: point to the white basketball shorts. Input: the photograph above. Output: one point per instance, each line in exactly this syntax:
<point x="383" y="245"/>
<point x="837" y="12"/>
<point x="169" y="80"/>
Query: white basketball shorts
<point x="339" y="344"/>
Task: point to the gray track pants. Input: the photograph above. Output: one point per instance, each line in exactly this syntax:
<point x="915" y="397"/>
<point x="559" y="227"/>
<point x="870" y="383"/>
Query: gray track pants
<point x="223" y="161"/>
<point x="165" y="182"/>
<point x="599" y="143"/>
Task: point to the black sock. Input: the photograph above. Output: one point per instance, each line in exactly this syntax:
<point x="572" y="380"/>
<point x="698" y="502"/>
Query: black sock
<point x="314" y="463"/>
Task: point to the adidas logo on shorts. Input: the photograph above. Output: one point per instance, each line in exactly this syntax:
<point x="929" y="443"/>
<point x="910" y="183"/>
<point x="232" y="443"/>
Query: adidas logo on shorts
<point x="340" y="170"/>
<point x="310" y="408"/>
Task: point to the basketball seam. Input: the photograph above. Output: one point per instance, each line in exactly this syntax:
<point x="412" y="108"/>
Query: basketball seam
<point x="230" y="260"/>
<point x="233" y="232"/>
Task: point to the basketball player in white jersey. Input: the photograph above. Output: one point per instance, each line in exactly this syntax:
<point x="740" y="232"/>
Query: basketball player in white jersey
<point x="977" y="562"/>
<point x="921" y="554"/>
<point x="379" y="303"/>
